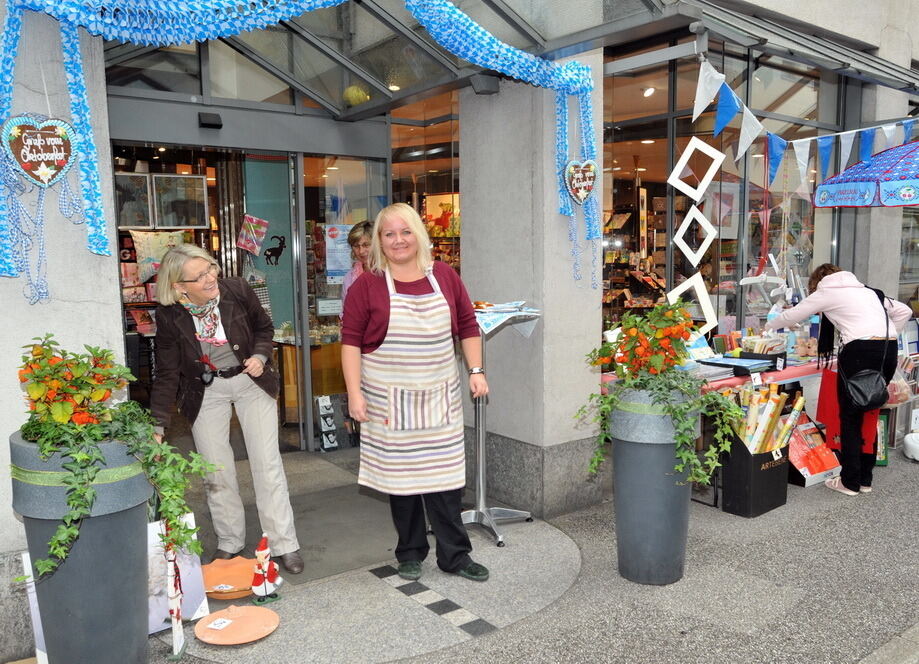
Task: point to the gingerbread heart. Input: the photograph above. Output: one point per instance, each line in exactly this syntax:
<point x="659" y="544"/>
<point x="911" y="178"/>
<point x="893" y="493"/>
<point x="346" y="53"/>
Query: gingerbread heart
<point x="42" y="149"/>
<point x="580" y="178"/>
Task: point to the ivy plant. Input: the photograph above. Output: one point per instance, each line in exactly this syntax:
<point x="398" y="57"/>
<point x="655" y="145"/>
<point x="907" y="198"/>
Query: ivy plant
<point x="647" y="356"/>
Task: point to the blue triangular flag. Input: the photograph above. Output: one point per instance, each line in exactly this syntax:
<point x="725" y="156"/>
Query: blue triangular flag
<point x="775" y="147"/>
<point x="866" y="143"/>
<point x="728" y="106"/>
<point x="908" y="130"/>
<point x="825" y="149"/>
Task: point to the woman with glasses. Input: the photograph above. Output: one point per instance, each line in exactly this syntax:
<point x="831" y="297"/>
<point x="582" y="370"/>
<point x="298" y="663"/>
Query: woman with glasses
<point x="359" y="240"/>
<point x="213" y="344"/>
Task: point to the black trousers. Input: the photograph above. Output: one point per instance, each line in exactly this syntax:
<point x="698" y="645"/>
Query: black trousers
<point x="858" y="467"/>
<point x="444" y="509"/>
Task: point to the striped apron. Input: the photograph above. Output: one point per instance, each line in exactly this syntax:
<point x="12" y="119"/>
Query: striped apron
<point x="413" y="441"/>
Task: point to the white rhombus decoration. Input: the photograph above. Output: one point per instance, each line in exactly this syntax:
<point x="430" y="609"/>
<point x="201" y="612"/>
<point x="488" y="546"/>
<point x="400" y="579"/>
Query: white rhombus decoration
<point x="696" y="283"/>
<point x="711" y="233"/>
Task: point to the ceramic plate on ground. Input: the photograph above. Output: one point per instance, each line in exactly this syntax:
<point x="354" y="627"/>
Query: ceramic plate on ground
<point x="228" y="579"/>
<point x="237" y="624"/>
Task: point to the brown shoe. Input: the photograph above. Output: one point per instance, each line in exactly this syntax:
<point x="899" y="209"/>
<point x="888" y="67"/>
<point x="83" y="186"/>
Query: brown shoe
<point x="220" y="554"/>
<point x="292" y="562"/>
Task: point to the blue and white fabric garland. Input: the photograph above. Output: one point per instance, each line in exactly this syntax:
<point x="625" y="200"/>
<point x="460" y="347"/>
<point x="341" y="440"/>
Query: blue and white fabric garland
<point x="171" y="22"/>
<point x="463" y="37"/>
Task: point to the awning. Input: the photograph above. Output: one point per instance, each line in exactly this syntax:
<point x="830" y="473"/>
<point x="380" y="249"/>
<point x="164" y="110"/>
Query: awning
<point x="766" y="35"/>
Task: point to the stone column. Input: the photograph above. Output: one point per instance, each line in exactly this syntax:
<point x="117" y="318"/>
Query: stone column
<point x="515" y="247"/>
<point x="85" y="303"/>
<point x="878" y="231"/>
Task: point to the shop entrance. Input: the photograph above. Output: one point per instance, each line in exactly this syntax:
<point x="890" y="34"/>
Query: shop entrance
<point x="166" y="195"/>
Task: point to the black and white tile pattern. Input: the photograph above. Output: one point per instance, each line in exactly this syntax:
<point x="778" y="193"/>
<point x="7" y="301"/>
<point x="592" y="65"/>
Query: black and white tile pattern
<point x="447" y="609"/>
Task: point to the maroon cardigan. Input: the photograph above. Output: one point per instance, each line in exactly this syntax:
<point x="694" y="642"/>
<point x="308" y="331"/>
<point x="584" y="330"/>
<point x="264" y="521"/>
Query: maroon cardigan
<point x="366" y="315"/>
<point x="178" y="369"/>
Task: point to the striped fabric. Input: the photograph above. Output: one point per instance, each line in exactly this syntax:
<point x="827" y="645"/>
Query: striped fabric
<point x="413" y="442"/>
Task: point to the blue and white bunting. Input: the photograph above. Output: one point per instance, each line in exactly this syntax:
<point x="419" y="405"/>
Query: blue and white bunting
<point x="775" y="148"/>
<point x="728" y="106"/>
<point x="866" y="143"/>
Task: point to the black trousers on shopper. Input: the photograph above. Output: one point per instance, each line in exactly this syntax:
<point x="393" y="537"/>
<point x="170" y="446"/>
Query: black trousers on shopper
<point x="858" y="467"/>
<point x="444" y="509"/>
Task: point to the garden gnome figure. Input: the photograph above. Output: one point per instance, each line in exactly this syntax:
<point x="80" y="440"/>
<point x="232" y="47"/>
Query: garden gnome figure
<point x="266" y="580"/>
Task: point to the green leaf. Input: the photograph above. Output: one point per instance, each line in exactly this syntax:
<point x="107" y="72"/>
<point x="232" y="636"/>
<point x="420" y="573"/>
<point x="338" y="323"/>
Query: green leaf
<point x="61" y="411"/>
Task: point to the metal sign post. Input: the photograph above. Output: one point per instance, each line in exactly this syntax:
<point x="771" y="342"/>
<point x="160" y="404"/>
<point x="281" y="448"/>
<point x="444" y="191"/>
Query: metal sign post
<point x="480" y="514"/>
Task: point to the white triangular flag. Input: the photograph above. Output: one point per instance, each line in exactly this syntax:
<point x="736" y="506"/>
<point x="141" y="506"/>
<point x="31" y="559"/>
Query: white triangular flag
<point x="846" y="139"/>
<point x="750" y="128"/>
<point x="710" y="81"/>
<point x="802" y="154"/>
<point x="888" y="135"/>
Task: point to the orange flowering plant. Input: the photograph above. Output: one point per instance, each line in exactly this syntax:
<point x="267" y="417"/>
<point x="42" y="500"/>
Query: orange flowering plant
<point x="71" y="410"/>
<point x="647" y="355"/>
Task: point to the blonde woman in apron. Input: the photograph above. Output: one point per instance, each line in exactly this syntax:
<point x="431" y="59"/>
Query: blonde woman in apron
<point x="398" y="331"/>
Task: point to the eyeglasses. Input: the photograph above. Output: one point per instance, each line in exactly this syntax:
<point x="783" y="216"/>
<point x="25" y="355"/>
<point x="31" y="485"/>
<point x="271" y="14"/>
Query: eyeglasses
<point x="211" y="271"/>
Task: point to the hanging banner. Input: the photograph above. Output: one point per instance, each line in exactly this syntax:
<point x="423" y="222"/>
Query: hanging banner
<point x="728" y="106"/>
<point x="802" y="155"/>
<point x="750" y="128"/>
<point x="776" y="150"/>
<point x="908" y="130"/>
<point x="825" y="151"/>
<point x="866" y="143"/>
<point x="846" y="139"/>
<point x="888" y="135"/>
<point x="337" y="252"/>
<point x="710" y="81"/>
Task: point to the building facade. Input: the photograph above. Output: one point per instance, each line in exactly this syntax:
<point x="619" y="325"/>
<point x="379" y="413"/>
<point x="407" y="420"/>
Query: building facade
<point x="312" y="126"/>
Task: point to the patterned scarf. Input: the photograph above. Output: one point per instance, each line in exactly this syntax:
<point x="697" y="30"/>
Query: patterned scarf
<point x="208" y="319"/>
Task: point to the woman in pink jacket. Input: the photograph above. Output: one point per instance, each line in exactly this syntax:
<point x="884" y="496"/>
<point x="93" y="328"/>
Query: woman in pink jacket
<point x="855" y="310"/>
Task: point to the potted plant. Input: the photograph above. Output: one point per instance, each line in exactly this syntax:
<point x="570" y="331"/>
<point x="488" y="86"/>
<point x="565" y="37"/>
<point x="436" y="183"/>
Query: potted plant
<point x="649" y="415"/>
<point x="83" y="469"/>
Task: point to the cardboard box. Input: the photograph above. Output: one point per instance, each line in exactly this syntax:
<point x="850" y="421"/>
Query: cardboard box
<point x="753" y="484"/>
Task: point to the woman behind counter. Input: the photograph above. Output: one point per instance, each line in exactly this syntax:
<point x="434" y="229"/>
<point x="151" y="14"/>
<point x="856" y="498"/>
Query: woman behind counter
<point x="856" y="312"/>
<point x="400" y="369"/>
<point x="359" y="239"/>
<point x="213" y="342"/>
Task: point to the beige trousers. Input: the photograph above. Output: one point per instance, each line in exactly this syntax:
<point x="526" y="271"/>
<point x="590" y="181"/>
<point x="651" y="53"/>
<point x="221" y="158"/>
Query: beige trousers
<point x="257" y="413"/>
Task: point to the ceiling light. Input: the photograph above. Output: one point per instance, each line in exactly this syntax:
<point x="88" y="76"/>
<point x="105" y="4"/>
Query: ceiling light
<point x="394" y="87"/>
<point x="162" y="149"/>
<point x="324" y="175"/>
<point x="617" y="168"/>
<point x="432" y="171"/>
<point x="647" y="92"/>
<point x="648" y="141"/>
<point x="331" y="168"/>
<point x="156" y="156"/>
<point x="641" y="170"/>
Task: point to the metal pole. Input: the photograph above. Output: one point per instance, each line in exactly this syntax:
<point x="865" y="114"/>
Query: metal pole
<point x="480" y="433"/>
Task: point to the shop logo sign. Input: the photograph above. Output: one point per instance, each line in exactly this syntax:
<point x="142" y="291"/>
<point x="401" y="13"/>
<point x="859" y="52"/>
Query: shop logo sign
<point x="42" y="150"/>
<point x="580" y="178"/>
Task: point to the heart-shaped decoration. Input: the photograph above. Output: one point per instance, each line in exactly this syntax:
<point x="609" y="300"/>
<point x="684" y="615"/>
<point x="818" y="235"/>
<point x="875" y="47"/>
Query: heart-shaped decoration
<point x="42" y="149"/>
<point x="580" y="178"/>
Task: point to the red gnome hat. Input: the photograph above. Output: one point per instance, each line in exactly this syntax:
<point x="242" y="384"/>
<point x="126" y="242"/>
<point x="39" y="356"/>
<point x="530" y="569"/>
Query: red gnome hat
<point x="263" y="545"/>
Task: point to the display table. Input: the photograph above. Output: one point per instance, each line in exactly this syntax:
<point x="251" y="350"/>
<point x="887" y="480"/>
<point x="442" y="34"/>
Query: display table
<point x="490" y="322"/>
<point x="786" y="375"/>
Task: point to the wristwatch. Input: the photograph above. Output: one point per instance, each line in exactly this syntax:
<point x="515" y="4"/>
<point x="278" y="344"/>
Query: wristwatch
<point x="476" y="370"/>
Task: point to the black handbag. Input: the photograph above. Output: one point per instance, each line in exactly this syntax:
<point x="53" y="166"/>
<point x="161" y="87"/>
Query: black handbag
<point x="867" y="389"/>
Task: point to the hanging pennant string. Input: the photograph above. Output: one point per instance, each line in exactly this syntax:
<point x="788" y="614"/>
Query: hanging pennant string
<point x="89" y="165"/>
<point x="594" y="232"/>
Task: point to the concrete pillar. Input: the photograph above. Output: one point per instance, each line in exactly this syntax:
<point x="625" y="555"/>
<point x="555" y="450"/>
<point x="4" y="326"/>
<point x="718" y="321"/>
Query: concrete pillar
<point x="878" y="231"/>
<point x="515" y="247"/>
<point x="85" y="295"/>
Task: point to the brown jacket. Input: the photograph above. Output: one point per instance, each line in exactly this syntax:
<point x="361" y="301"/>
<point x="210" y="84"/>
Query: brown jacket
<point x="178" y="369"/>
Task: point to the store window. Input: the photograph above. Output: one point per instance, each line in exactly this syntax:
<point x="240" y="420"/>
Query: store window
<point x="233" y="76"/>
<point x="425" y="169"/>
<point x="168" y="69"/>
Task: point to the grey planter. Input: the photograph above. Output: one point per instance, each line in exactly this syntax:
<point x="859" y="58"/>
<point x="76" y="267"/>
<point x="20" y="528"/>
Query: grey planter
<point x="94" y="606"/>
<point x="651" y="501"/>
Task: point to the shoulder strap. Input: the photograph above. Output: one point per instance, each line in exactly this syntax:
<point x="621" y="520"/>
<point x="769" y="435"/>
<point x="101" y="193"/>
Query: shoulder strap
<point x="881" y="298"/>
